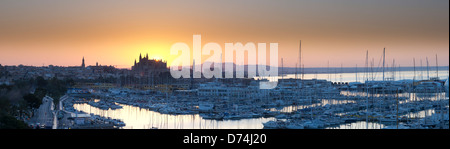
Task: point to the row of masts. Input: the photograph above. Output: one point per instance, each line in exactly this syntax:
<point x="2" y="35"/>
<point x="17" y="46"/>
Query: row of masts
<point x="393" y="69"/>
<point x="299" y="64"/>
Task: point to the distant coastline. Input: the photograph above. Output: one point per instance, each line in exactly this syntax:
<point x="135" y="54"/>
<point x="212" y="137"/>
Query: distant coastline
<point x="322" y="70"/>
<point x="307" y="70"/>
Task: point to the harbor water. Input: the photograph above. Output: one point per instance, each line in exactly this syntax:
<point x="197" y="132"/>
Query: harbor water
<point x="139" y="118"/>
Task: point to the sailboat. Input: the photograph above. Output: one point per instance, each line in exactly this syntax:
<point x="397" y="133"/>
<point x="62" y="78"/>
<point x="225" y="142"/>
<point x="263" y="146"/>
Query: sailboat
<point x="431" y="85"/>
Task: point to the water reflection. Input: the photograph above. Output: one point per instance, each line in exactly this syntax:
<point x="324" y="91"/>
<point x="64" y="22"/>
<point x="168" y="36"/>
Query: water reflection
<point x="420" y="114"/>
<point x="358" y="125"/>
<point x="293" y="108"/>
<point x="138" y="118"/>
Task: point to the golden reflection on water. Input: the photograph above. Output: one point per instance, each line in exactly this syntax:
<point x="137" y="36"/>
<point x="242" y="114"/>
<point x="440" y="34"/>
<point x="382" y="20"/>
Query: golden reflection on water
<point x="138" y="118"/>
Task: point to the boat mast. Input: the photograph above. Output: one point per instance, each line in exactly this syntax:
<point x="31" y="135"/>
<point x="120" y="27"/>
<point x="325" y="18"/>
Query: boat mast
<point x="383" y="61"/>
<point x="393" y="70"/>
<point x="328" y="70"/>
<point x="384" y="58"/>
<point x="367" y="90"/>
<point x="414" y="79"/>
<point x="300" y="55"/>
<point x="296" y="71"/>
<point x="437" y="70"/>
<point x="414" y="63"/>
<point x="367" y="65"/>
<point x="421" y="70"/>
<point x="356" y="69"/>
<point x="282" y="70"/>
<point x="428" y="70"/>
<point x="371" y="69"/>
<point x="397" y="108"/>
<point x="341" y="73"/>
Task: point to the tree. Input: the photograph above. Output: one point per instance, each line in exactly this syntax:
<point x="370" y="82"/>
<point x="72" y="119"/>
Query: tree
<point x="32" y="100"/>
<point x="5" y="105"/>
<point x="9" y="122"/>
<point x="40" y="93"/>
<point x="41" y="82"/>
<point x="69" y="82"/>
<point x="57" y="88"/>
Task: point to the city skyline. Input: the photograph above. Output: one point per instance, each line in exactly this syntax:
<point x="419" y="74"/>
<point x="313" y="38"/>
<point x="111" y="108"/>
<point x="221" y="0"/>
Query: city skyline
<point x="338" y="32"/>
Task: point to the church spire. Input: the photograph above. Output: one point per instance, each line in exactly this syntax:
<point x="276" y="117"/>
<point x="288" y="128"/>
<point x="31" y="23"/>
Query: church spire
<point x="82" y="63"/>
<point x="140" y="57"/>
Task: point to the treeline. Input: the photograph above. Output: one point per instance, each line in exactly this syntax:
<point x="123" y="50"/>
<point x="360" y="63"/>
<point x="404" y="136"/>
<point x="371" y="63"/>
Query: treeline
<point x="53" y="87"/>
<point x="18" y="102"/>
<point x="160" y="78"/>
<point x="13" y="106"/>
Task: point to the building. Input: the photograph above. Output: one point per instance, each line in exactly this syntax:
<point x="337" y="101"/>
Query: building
<point x="82" y="63"/>
<point x="220" y="91"/>
<point x="101" y="69"/>
<point x="149" y="66"/>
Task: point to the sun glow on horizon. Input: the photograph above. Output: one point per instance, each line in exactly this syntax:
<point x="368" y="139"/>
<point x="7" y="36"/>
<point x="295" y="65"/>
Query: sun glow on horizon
<point x="116" y="34"/>
<point x="157" y="58"/>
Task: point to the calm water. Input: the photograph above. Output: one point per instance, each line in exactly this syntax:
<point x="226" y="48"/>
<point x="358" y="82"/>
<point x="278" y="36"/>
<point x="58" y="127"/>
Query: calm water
<point x="289" y="109"/>
<point x="138" y="118"/>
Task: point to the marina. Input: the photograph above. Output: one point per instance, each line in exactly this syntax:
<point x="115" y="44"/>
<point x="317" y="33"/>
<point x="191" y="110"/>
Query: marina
<point x="288" y="107"/>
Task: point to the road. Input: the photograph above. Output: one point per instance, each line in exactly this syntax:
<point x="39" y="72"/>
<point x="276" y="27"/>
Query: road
<point x="64" y="122"/>
<point x="44" y="115"/>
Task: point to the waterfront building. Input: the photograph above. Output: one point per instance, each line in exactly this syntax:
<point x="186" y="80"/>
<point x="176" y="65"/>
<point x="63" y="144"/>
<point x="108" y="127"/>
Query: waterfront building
<point x="217" y="90"/>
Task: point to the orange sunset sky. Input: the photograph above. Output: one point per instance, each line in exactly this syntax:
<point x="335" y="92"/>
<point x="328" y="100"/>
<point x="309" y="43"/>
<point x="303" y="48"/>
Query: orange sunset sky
<point x="54" y="32"/>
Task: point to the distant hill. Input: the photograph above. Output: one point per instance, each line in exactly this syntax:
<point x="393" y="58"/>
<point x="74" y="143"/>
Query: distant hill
<point x="319" y="70"/>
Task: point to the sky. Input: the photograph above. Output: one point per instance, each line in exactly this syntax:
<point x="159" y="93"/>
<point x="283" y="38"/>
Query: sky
<point x="338" y="32"/>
